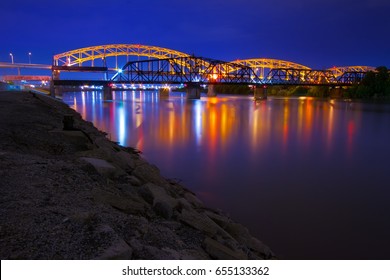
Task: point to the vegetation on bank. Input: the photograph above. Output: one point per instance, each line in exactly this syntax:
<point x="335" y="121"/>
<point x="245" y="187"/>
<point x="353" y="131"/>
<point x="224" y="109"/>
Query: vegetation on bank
<point x="314" y="91"/>
<point x="374" y="85"/>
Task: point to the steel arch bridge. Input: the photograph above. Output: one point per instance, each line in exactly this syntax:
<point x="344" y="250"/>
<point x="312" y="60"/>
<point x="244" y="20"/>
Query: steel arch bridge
<point x="79" y="56"/>
<point x="262" y="66"/>
<point x="339" y="71"/>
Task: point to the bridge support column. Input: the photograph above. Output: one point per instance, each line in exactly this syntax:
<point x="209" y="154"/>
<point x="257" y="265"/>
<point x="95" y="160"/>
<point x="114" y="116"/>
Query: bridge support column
<point x="164" y="92"/>
<point x="193" y="91"/>
<point x="211" y="91"/>
<point x="55" y="90"/>
<point x="336" y="92"/>
<point x="107" y="92"/>
<point x="52" y="89"/>
<point x="58" y="91"/>
<point x="260" y="92"/>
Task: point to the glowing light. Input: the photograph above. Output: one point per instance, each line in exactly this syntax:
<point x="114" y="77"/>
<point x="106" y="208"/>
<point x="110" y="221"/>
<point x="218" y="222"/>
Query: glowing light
<point x="122" y="125"/>
<point x="198" y="122"/>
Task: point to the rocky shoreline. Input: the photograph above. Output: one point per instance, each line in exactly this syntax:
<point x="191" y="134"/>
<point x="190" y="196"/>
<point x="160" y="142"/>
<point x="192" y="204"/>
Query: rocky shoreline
<point x="73" y="194"/>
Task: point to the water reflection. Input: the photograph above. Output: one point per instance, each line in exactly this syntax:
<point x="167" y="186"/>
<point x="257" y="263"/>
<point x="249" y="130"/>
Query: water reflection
<point x="307" y="176"/>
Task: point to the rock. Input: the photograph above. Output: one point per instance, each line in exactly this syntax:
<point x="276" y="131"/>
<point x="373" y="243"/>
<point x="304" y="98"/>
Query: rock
<point x="104" y="144"/>
<point x="134" y="181"/>
<point x="124" y="204"/>
<point x="218" y="251"/>
<point x="149" y="173"/>
<point x="146" y="194"/>
<point x="76" y="138"/>
<point x="222" y="221"/>
<point x="125" y="160"/>
<point x="117" y="251"/>
<point x="237" y="230"/>
<point x="242" y="235"/>
<point x="163" y="209"/>
<point x="160" y="195"/>
<point x="193" y="200"/>
<point x="184" y="204"/>
<point x="199" y="221"/>
<point x="58" y="206"/>
<point x="103" y="167"/>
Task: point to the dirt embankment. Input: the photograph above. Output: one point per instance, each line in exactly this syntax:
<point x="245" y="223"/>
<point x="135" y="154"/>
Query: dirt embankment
<point x="73" y="194"/>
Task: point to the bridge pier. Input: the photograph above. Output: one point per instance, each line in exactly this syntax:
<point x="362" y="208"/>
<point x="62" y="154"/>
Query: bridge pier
<point x="164" y="92"/>
<point x="260" y="92"/>
<point x="336" y="92"/>
<point x="55" y="91"/>
<point x="211" y="91"/>
<point x="52" y="89"/>
<point x="193" y="91"/>
<point x="107" y="92"/>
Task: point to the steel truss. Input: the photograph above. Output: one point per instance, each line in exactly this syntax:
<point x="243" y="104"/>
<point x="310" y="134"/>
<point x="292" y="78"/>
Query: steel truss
<point x="79" y="56"/>
<point x="285" y="76"/>
<point x="184" y="70"/>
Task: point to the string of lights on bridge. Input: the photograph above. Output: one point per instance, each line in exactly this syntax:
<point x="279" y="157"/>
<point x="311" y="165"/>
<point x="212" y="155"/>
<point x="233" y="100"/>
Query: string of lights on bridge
<point x="99" y="55"/>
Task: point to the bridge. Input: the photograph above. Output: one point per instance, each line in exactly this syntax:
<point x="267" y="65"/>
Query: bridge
<point x="156" y="65"/>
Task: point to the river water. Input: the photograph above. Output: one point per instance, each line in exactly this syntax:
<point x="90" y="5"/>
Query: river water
<point x="309" y="177"/>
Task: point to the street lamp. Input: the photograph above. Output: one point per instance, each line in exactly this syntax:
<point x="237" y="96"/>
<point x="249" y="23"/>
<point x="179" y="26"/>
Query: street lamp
<point x="12" y="57"/>
<point x="29" y="57"/>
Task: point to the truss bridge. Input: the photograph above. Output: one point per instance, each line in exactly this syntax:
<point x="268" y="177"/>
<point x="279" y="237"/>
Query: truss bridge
<point x="142" y="64"/>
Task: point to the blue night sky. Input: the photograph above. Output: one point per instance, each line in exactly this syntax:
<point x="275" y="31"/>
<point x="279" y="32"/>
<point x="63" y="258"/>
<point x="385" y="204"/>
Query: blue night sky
<point x="316" y="33"/>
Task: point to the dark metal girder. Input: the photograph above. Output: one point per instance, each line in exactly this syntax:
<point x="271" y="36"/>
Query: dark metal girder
<point x="286" y="76"/>
<point x="186" y="70"/>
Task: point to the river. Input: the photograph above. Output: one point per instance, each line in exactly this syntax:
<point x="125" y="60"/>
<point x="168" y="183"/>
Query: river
<point x="308" y="177"/>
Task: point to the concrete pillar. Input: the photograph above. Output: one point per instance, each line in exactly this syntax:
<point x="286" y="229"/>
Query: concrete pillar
<point x="107" y="92"/>
<point x="58" y="91"/>
<point x="193" y="91"/>
<point x="52" y="89"/>
<point x="211" y="91"/>
<point x="336" y="92"/>
<point x="260" y="92"/>
<point x="164" y="92"/>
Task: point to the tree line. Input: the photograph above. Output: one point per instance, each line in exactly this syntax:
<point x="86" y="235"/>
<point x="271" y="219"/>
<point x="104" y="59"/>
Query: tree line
<point x="374" y="85"/>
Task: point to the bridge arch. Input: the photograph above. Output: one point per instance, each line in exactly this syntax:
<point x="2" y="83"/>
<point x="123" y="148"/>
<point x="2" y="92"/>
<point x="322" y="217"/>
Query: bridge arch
<point x="339" y="71"/>
<point x="262" y="66"/>
<point x="99" y="53"/>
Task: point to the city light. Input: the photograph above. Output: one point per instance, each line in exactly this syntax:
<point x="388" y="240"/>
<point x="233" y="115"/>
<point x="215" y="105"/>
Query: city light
<point x="29" y="57"/>
<point x="12" y="58"/>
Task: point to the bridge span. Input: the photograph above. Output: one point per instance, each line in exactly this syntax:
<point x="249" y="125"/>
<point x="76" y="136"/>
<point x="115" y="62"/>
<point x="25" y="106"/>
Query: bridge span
<point x="159" y="65"/>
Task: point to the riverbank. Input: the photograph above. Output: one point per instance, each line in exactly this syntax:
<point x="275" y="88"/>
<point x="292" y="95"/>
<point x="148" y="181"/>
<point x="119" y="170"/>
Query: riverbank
<point x="73" y="194"/>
